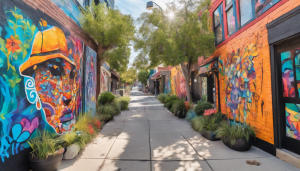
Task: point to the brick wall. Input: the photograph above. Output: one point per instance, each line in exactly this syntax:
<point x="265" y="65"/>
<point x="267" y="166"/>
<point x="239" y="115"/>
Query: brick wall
<point x="251" y="42"/>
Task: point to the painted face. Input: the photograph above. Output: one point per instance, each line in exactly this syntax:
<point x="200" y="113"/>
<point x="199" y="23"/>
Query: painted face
<point x="56" y="86"/>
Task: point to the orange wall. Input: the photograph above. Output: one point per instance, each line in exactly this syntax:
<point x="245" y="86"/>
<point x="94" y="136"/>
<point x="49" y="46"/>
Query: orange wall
<point x="255" y="39"/>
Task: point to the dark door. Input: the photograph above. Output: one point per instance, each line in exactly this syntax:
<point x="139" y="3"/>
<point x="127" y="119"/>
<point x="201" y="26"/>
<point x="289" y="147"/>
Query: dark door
<point x="210" y="89"/>
<point x="288" y="56"/>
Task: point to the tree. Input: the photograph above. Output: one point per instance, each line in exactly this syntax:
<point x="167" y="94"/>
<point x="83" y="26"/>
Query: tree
<point x="176" y="36"/>
<point x="128" y="76"/>
<point x="143" y="76"/>
<point x="112" y="32"/>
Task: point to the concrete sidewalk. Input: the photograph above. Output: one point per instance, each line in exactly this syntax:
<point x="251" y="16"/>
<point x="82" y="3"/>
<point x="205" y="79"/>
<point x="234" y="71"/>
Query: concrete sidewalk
<point x="148" y="137"/>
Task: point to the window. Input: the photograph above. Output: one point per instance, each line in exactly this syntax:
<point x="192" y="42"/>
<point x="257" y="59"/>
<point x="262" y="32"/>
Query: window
<point x="218" y="24"/>
<point x="231" y="17"/>
<point x="246" y="11"/>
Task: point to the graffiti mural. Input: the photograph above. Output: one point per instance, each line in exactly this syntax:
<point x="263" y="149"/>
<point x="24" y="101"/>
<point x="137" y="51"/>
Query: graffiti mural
<point x="71" y="8"/>
<point x="292" y="113"/>
<point x="104" y="81"/>
<point x="178" y="85"/>
<point x="40" y="77"/>
<point x="167" y="85"/>
<point x="240" y="80"/>
<point x="262" y="6"/>
<point x="287" y="74"/>
<point x="90" y="80"/>
<point x="204" y="86"/>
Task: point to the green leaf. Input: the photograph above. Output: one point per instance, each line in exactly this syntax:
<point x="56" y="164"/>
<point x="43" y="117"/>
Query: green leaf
<point x="2" y="43"/>
<point x="24" y="53"/>
<point x="1" y="62"/>
<point x="15" y="80"/>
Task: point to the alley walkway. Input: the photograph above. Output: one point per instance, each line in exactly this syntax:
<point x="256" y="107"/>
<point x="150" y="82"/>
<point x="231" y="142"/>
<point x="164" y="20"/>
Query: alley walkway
<point x="148" y="137"/>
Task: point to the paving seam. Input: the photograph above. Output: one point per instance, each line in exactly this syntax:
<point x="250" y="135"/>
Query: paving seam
<point x="196" y="151"/>
<point x="149" y="141"/>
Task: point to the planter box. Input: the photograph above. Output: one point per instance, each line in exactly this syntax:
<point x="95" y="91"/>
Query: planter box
<point x="52" y="163"/>
<point x="240" y="144"/>
<point x="210" y="135"/>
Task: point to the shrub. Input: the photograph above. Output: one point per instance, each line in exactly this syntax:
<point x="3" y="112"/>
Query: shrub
<point x="180" y="109"/>
<point x="201" y="107"/>
<point x="207" y="123"/>
<point x="161" y="97"/>
<point x="105" y="112"/>
<point x="191" y="114"/>
<point x="235" y="132"/>
<point x="116" y="107"/>
<point x="169" y="101"/>
<point x="123" y="102"/>
<point x="43" y="146"/>
<point x="106" y="97"/>
<point x="84" y="120"/>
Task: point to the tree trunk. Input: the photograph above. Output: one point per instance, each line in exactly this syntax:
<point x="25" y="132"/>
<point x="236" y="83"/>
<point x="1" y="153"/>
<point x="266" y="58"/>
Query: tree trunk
<point x="100" y="62"/>
<point x="186" y="72"/>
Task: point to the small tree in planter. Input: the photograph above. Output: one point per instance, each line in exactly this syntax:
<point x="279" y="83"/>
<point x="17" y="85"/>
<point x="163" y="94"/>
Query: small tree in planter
<point x="208" y="124"/>
<point x="46" y="155"/>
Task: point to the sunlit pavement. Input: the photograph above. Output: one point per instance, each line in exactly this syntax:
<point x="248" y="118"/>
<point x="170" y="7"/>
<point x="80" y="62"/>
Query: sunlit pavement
<point x="148" y="137"/>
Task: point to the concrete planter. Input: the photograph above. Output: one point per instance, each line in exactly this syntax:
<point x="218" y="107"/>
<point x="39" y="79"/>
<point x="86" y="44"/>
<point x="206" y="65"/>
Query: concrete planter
<point x="52" y="163"/>
<point x="240" y="144"/>
<point x="210" y="135"/>
<point x="120" y="92"/>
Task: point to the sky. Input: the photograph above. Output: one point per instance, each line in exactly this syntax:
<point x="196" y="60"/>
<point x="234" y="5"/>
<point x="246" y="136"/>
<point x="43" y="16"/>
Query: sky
<point x="135" y="8"/>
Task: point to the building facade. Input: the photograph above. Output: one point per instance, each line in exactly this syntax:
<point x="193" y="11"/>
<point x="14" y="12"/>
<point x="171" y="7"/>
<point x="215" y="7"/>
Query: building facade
<point x="255" y="68"/>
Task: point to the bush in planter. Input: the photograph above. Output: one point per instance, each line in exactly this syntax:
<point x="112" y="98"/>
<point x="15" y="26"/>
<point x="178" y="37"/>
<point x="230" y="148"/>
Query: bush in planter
<point x="191" y="114"/>
<point x="169" y="101"/>
<point x="201" y="107"/>
<point x="207" y="123"/>
<point x="106" y="97"/>
<point x="180" y="108"/>
<point x="234" y="133"/>
<point x="161" y="97"/>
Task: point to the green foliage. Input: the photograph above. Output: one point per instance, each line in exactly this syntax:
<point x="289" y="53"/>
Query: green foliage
<point x="43" y="146"/>
<point x="201" y="107"/>
<point x="124" y="104"/>
<point x="207" y="123"/>
<point x="169" y="101"/>
<point x="112" y="31"/>
<point x="161" y="97"/>
<point x="128" y="76"/>
<point x="177" y="41"/>
<point x="191" y="114"/>
<point x="117" y="108"/>
<point x="143" y="76"/>
<point x="235" y="132"/>
<point x="106" y="97"/>
<point x="179" y="108"/>
<point x="105" y="112"/>
<point x="84" y="120"/>
<point x="204" y="98"/>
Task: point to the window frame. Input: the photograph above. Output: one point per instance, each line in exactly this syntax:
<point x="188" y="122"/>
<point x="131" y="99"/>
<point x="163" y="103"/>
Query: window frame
<point x="221" y="23"/>
<point x="232" y="5"/>
<point x="253" y="13"/>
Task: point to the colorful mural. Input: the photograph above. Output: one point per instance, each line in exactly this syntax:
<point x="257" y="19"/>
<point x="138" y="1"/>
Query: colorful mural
<point x="167" y="85"/>
<point x="287" y="74"/>
<point x="71" y="8"/>
<point x="262" y="6"/>
<point x="204" y="86"/>
<point x="178" y="85"/>
<point x="104" y="81"/>
<point x="90" y="80"/>
<point x="40" y="78"/>
<point x="240" y="80"/>
<point x="292" y="113"/>
<point x="208" y="67"/>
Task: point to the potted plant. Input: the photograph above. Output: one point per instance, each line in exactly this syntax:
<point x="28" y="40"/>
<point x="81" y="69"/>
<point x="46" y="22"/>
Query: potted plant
<point x="239" y="137"/>
<point x="208" y="124"/>
<point x="201" y="107"/>
<point x="180" y="108"/>
<point x="46" y="155"/>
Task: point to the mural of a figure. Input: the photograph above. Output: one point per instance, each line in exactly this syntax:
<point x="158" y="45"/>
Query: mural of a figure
<point x="40" y="77"/>
<point x="90" y="81"/>
<point x="167" y="86"/>
<point x="183" y="91"/>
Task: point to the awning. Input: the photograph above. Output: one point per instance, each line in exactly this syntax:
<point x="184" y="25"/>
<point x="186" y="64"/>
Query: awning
<point x="156" y="75"/>
<point x="165" y="73"/>
<point x="208" y="67"/>
<point x="113" y="72"/>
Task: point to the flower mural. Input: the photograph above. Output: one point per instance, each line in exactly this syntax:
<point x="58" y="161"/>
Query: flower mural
<point x="240" y="80"/>
<point x="90" y="80"/>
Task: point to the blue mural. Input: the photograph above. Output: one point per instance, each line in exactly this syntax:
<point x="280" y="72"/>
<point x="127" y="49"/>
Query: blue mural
<point x="71" y="8"/>
<point x="90" y="80"/>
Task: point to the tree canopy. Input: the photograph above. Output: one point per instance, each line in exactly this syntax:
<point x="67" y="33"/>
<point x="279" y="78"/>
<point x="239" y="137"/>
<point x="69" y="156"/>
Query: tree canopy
<point x="129" y="76"/>
<point x="143" y="76"/>
<point x="176" y="36"/>
<point x="112" y="31"/>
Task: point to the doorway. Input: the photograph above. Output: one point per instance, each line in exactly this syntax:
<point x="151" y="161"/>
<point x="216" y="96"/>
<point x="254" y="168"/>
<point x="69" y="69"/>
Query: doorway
<point x="288" y="64"/>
